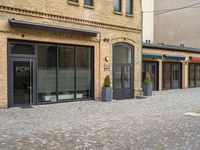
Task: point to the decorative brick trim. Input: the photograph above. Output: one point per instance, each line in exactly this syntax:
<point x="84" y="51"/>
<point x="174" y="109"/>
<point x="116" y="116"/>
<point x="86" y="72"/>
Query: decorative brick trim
<point x="26" y="12"/>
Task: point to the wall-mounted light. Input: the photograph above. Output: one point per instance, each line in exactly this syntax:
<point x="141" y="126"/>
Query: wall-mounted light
<point x="106" y="58"/>
<point x="106" y="39"/>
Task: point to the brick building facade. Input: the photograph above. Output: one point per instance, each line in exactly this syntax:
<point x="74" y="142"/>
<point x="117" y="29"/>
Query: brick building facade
<point x="54" y="51"/>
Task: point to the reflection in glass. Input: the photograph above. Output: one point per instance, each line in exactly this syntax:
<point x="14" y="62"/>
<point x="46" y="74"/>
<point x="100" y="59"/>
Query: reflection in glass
<point x="117" y="5"/>
<point x="83" y="72"/>
<point x="197" y="75"/>
<point x="23" y="49"/>
<point x="22" y="82"/>
<point x="167" y="76"/>
<point x="127" y="78"/>
<point x="88" y="2"/>
<point x="122" y="54"/>
<point x="129" y="6"/>
<point x="46" y="78"/>
<point x="66" y="88"/>
<point x="176" y="77"/>
<point x="118" y="77"/>
<point x="192" y="75"/>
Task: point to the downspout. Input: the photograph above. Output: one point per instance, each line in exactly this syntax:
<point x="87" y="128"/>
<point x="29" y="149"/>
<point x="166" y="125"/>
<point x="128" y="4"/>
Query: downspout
<point x="142" y="13"/>
<point x="99" y="41"/>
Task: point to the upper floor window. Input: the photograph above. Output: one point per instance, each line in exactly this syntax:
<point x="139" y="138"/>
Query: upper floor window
<point x="88" y="2"/>
<point x="129" y="6"/>
<point x="76" y="1"/>
<point x="118" y="5"/>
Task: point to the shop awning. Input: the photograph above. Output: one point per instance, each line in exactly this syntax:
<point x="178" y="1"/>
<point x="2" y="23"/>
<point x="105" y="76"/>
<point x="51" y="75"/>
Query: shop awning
<point x="48" y="27"/>
<point x="152" y="56"/>
<point x="195" y="58"/>
<point x="174" y="57"/>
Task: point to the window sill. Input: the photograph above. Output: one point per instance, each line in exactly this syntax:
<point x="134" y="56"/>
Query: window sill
<point x="88" y="6"/>
<point x="73" y="3"/>
<point x="129" y="15"/>
<point x="118" y="13"/>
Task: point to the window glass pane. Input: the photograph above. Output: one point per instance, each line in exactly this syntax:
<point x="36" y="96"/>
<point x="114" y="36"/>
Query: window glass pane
<point x="176" y="76"/>
<point x="191" y="73"/>
<point x="73" y="1"/>
<point x="127" y="77"/>
<point x="83" y="72"/>
<point x="129" y="7"/>
<point x="66" y="73"/>
<point x="122" y="54"/>
<point x="25" y="49"/>
<point x="166" y="76"/>
<point x="46" y="78"/>
<point x="88" y="2"/>
<point x="117" y="5"/>
<point x="197" y="75"/>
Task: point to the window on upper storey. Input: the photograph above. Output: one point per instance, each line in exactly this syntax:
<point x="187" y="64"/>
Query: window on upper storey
<point x="118" y="5"/>
<point x="76" y="1"/>
<point x="129" y="6"/>
<point x="88" y="2"/>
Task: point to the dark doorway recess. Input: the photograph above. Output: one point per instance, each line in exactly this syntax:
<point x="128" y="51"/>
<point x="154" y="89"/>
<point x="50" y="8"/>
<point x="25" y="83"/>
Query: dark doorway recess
<point x="152" y="69"/>
<point x="123" y="71"/>
<point x="172" y="76"/>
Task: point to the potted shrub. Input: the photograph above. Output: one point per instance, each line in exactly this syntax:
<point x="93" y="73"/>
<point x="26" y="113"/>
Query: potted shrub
<point x="106" y="90"/>
<point x="147" y="86"/>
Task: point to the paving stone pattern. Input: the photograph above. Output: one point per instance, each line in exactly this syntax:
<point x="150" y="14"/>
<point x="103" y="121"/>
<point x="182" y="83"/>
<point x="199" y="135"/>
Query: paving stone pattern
<point x="155" y="123"/>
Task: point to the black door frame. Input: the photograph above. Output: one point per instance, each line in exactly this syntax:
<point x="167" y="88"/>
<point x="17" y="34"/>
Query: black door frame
<point x="10" y="79"/>
<point x="156" y="72"/>
<point x="171" y="76"/>
<point x="124" y="64"/>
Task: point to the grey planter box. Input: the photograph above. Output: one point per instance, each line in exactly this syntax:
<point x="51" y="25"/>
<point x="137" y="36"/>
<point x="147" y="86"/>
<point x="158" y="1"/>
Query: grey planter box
<point x="106" y="95"/>
<point x="147" y="90"/>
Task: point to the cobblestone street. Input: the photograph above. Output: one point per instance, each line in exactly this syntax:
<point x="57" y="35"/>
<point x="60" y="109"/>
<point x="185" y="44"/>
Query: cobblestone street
<point x="169" y="120"/>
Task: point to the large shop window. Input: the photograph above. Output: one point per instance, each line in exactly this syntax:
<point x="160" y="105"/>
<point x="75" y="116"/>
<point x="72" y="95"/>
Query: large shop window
<point x="64" y="73"/>
<point x="46" y="74"/>
<point x="194" y="75"/>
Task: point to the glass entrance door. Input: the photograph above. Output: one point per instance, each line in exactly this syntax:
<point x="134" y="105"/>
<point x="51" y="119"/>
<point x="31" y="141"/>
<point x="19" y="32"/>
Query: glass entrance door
<point x="152" y="69"/>
<point x="22" y="81"/>
<point x="172" y="76"/>
<point x="123" y="71"/>
<point x="176" y="76"/>
<point x="122" y="80"/>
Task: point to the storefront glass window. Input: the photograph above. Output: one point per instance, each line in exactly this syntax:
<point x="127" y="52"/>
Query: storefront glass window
<point x="46" y="73"/>
<point x="83" y="72"/>
<point x="66" y="76"/>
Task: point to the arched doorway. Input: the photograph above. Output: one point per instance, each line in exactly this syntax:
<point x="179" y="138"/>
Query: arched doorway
<point x="123" y="71"/>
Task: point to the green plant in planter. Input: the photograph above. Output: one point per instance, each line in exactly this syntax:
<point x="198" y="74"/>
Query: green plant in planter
<point x="147" y="80"/>
<point x="106" y="90"/>
<point x="107" y="81"/>
<point x="147" y="88"/>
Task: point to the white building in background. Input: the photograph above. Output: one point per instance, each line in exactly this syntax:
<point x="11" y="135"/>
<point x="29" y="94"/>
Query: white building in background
<point x="148" y="20"/>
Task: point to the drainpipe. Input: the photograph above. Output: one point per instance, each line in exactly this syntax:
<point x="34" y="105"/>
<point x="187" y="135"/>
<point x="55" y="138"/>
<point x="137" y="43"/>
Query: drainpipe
<point x="99" y="41"/>
<point x="141" y="45"/>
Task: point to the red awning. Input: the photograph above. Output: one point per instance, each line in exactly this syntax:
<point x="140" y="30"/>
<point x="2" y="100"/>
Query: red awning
<point x="195" y="58"/>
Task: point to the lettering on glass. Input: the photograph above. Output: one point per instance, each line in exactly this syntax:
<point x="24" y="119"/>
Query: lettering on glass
<point x="22" y="71"/>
